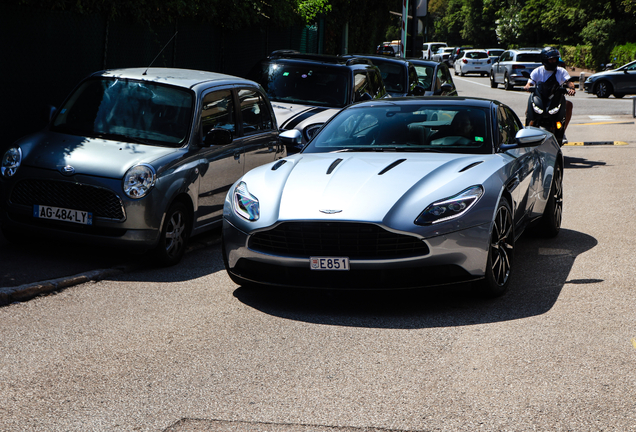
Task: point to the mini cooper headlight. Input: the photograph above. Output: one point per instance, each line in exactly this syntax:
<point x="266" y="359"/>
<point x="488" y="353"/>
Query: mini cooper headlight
<point x="553" y="111"/>
<point x="11" y="162"/>
<point x="139" y="180"/>
<point x="245" y="204"/>
<point x="450" y="208"/>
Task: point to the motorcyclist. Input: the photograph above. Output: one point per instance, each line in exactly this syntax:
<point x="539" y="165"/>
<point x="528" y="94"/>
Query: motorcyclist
<point x="550" y="57"/>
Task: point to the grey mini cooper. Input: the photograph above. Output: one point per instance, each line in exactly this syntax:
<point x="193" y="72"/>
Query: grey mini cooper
<point x="141" y="158"/>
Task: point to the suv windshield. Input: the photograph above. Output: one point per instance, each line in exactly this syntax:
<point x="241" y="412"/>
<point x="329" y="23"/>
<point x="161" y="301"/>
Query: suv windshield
<point x="127" y="110"/>
<point x="305" y="84"/>
<point x="407" y="128"/>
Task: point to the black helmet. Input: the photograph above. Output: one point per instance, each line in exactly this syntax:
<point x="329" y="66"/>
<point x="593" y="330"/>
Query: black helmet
<point x="548" y="53"/>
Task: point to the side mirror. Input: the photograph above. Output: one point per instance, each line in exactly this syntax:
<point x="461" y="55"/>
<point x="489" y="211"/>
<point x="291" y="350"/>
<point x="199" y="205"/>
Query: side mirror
<point x="218" y="136"/>
<point x="447" y="88"/>
<point x="527" y="137"/>
<point x="292" y="140"/>
<point x="363" y="97"/>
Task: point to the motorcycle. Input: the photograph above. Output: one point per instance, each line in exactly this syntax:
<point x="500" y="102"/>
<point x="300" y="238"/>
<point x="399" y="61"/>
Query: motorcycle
<point x="547" y="108"/>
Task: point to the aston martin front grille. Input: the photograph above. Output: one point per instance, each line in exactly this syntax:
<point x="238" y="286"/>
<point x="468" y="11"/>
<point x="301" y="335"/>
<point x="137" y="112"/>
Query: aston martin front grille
<point x="343" y="239"/>
<point x="103" y="203"/>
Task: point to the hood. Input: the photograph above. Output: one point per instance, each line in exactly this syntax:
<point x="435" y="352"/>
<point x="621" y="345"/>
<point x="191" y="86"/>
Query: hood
<point x="363" y="186"/>
<point x="88" y="156"/>
<point x="295" y="116"/>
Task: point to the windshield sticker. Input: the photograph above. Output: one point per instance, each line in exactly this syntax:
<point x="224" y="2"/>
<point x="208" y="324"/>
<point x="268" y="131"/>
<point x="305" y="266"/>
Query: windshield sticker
<point x="479" y="139"/>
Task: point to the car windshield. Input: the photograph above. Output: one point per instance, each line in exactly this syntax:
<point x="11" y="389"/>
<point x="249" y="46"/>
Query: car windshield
<point x="127" y="110"/>
<point x="425" y="76"/>
<point x="305" y="84"/>
<point x="407" y="128"/>
<point x="393" y="75"/>
<point x="529" y="58"/>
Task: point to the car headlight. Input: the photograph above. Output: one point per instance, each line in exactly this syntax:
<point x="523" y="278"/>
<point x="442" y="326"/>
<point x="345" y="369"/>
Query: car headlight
<point x="311" y="130"/>
<point x="139" y="180"/>
<point x="537" y="109"/>
<point x="245" y="204"/>
<point x="555" y="110"/>
<point x="450" y="208"/>
<point x="11" y="162"/>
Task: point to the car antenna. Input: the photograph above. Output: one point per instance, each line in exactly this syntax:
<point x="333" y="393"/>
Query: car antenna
<point x="164" y="47"/>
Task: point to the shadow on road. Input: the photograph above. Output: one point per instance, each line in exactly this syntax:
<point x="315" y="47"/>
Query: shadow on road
<point x="542" y="269"/>
<point x="575" y="162"/>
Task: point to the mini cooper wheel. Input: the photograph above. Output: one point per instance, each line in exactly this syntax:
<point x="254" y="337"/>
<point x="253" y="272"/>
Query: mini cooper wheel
<point x="174" y="235"/>
<point x="500" y="253"/>
<point x="493" y="83"/>
<point x="603" y="89"/>
<point x="550" y="224"/>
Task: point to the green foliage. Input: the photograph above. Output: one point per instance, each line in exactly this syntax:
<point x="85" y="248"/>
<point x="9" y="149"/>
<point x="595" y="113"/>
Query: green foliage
<point x="623" y="54"/>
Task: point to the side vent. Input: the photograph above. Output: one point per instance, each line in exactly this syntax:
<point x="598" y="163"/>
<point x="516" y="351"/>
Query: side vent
<point x="333" y="165"/>
<point x="467" y="167"/>
<point x="278" y="164"/>
<point x="390" y="167"/>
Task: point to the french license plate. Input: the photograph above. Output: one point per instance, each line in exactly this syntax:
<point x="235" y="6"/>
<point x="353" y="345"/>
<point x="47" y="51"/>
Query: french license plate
<point x="329" y="263"/>
<point x="68" y="215"/>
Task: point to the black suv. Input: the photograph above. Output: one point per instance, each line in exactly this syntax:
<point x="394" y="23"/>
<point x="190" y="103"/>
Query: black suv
<point x="399" y="75"/>
<point x="306" y="90"/>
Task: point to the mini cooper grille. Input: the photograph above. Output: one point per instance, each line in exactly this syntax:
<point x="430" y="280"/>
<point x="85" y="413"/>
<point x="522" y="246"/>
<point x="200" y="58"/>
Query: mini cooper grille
<point x="101" y="202"/>
<point x="353" y="240"/>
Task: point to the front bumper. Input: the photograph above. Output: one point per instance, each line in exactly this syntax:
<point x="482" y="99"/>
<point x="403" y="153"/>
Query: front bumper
<point x="453" y="258"/>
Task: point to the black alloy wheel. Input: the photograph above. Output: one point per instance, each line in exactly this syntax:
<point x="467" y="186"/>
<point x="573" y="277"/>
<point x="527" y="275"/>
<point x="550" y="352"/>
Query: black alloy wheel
<point x="500" y="253"/>
<point x="550" y="224"/>
<point x="603" y="89"/>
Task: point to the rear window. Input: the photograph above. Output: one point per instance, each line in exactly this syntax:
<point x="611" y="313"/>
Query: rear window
<point x="476" y="55"/>
<point x="529" y="58"/>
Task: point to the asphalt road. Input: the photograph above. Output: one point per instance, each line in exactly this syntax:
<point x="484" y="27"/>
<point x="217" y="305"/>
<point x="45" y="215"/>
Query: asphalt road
<point x="184" y="349"/>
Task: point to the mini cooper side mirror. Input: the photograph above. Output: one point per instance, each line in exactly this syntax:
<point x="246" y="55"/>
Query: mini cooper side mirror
<point x="292" y="140"/>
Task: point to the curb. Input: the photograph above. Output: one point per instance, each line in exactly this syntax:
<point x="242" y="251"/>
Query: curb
<point x="28" y="291"/>
<point x="591" y="143"/>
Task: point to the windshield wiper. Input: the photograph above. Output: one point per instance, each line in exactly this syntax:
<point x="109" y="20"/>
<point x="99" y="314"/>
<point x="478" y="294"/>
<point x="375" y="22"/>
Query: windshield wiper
<point x="119" y="137"/>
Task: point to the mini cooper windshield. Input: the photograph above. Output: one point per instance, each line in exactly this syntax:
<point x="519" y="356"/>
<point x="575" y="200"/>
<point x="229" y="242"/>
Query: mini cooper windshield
<point x="127" y="110"/>
<point x="410" y="127"/>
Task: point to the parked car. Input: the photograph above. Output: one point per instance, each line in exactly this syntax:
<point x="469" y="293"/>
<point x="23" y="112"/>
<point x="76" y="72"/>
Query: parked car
<point x="429" y="48"/>
<point x="473" y="61"/>
<point x="457" y="53"/>
<point x="397" y="193"/>
<point x="391" y="49"/>
<point x="399" y="75"/>
<point x="514" y="66"/>
<point x="434" y="77"/>
<point x="138" y="158"/>
<point x="494" y="53"/>
<point x="308" y="89"/>
<point x="618" y="82"/>
<point x="443" y="55"/>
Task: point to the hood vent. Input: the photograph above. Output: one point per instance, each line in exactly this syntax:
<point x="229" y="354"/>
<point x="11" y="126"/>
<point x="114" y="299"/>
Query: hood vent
<point x="467" y="167"/>
<point x="333" y="165"/>
<point x="278" y="164"/>
<point x="390" y="167"/>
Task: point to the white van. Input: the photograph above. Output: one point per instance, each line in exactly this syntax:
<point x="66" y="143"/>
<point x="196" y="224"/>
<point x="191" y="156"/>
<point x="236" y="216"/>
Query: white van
<point x="430" y="48"/>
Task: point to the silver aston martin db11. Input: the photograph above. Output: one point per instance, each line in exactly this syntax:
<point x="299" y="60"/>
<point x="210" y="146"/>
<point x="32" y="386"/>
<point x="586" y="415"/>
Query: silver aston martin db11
<point x="397" y="193"/>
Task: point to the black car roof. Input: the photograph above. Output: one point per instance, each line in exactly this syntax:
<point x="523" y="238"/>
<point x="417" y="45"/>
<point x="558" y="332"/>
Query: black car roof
<point x="439" y="100"/>
<point x="296" y="56"/>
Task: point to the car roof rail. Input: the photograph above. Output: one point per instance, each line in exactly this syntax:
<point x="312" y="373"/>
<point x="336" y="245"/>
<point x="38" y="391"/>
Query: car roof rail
<point x="360" y="60"/>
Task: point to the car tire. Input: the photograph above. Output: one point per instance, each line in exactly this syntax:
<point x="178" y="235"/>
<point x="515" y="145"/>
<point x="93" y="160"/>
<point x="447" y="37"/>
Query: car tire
<point x="461" y="73"/>
<point x="455" y="70"/>
<point x="603" y="89"/>
<point x="493" y="83"/>
<point x="507" y="84"/>
<point x="174" y="235"/>
<point x="500" y="253"/>
<point x="550" y="223"/>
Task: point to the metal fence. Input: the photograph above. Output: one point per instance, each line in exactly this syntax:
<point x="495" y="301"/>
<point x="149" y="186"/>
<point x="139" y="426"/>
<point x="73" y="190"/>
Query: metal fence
<point x="47" y="53"/>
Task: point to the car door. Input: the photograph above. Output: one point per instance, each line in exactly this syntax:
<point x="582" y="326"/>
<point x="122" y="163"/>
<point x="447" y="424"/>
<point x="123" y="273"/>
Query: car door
<point x="498" y="67"/>
<point x="624" y="81"/>
<point x="258" y="130"/>
<point x="522" y="168"/>
<point x="219" y="166"/>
